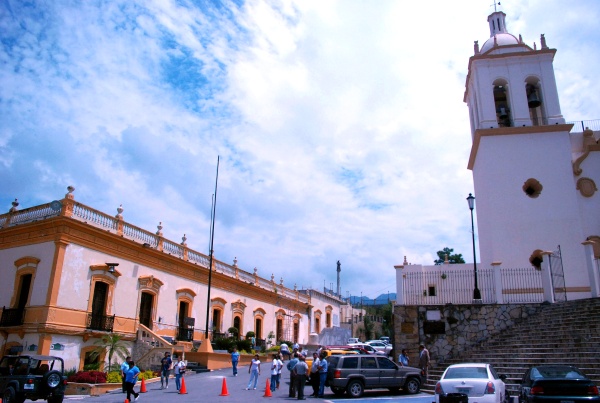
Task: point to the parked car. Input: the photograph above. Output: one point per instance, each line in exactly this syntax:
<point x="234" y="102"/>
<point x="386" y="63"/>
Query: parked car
<point x="479" y="382"/>
<point x="557" y="383"/>
<point x="385" y="339"/>
<point x="32" y="377"/>
<point x="368" y="348"/>
<point x="329" y="352"/>
<point x="353" y="374"/>
<point x="379" y="345"/>
<point x="353" y="340"/>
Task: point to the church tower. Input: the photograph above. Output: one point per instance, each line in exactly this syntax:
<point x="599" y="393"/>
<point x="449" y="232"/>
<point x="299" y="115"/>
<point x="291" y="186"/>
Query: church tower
<point x="521" y="156"/>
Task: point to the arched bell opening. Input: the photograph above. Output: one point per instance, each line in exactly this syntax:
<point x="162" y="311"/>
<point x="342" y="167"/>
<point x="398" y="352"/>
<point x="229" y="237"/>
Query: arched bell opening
<point x="502" y="103"/>
<point x="534" y="101"/>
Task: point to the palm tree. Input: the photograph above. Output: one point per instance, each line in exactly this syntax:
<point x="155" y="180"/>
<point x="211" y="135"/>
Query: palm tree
<point x="112" y="344"/>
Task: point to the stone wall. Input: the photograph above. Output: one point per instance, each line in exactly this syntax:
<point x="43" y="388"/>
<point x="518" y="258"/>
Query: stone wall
<point x="448" y="330"/>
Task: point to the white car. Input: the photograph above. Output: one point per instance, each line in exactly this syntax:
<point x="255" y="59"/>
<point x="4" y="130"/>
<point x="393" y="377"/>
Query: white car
<point x="379" y="345"/>
<point x="479" y="382"/>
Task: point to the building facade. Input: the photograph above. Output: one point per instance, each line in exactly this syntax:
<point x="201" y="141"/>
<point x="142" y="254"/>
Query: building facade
<point x="71" y="274"/>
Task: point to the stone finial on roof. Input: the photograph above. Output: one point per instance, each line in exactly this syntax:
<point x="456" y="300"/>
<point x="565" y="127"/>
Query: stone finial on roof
<point x="183" y="240"/>
<point x="15" y="206"/>
<point x="235" y="261"/>
<point x="70" y="195"/>
<point x="543" y="42"/>
<point x="405" y="261"/>
<point x="476" y="47"/>
<point x="120" y="212"/>
<point x="160" y="227"/>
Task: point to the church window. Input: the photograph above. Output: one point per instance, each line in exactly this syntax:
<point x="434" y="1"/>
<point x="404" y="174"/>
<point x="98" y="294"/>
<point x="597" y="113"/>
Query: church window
<point x="534" y="101"/>
<point x="501" y="103"/>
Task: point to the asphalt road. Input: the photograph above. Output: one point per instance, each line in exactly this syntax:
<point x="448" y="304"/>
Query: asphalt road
<point x="208" y="387"/>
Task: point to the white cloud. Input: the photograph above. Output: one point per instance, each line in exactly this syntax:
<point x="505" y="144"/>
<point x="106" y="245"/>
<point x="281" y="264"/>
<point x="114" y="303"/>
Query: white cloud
<point x="340" y="124"/>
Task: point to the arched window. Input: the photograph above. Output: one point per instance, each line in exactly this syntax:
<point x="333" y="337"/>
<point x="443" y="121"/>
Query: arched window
<point x="100" y="314"/>
<point x="502" y="103"/>
<point x="534" y="101"/>
<point x="149" y="290"/>
<point x="185" y="321"/>
<point x="317" y="328"/>
<point x="259" y="315"/>
<point x="218" y="309"/>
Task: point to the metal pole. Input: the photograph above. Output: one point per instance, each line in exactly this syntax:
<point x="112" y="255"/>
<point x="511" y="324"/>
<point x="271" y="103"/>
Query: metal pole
<point x="212" y="239"/>
<point x="476" y="292"/>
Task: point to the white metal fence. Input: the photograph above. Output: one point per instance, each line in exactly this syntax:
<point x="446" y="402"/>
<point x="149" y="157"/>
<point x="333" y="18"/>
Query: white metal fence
<point x="455" y="286"/>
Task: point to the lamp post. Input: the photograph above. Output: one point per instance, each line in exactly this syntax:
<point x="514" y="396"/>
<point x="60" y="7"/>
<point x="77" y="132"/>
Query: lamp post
<point x="476" y="292"/>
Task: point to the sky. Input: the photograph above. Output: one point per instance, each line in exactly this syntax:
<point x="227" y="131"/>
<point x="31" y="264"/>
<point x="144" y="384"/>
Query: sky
<point x="339" y="125"/>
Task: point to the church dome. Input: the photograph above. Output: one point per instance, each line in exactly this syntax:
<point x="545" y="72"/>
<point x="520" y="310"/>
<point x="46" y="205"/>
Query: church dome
<point x="501" y="39"/>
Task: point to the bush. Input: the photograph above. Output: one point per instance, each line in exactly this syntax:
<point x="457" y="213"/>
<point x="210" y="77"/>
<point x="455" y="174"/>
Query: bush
<point x="244" y="345"/>
<point x="224" y="344"/>
<point x="148" y="374"/>
<point x="114" y="377"/>
<point x="88" y="377"/>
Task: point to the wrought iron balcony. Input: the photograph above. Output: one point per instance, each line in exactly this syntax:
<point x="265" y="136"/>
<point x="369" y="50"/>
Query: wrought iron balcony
<point x="12" y="316"/>
<point x="100" y="322"/>
<point x="185" y="333"/>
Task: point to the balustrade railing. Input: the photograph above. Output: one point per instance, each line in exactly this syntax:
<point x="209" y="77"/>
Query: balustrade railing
<point x="100" y="322"/>
<point x="81" y="212"/>
<point x="581" y="125"/>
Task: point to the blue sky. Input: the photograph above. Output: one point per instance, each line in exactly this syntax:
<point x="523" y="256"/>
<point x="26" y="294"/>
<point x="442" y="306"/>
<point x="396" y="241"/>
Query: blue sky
<point x="340" y="124"/>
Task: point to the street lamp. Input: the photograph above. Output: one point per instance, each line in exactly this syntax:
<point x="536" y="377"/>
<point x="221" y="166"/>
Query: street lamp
<point x="476" y="292"/>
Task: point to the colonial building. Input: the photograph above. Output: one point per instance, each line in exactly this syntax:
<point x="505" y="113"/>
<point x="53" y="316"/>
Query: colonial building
<point x="535" y="176"/>
<point x="70" y="274"/>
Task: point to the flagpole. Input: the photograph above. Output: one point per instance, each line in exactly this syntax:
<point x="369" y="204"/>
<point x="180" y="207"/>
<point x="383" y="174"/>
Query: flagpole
<point x="212" y="239"/>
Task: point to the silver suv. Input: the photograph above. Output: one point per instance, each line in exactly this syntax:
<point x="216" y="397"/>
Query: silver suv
<point x="355" y="373"/>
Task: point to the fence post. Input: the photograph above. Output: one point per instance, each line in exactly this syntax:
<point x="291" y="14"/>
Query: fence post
<point x="588" y="247"/>
<point x="498" y="282"/>
<point x="547" y="278"/>
<point x="399" y="285"/>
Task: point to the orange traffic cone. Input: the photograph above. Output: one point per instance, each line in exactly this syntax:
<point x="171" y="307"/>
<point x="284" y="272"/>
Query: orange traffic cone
<point x="224" y="391"/>
<point x="143" y="387"/>
<point x="126" y="400"/>
<point x="182" y="390"/>
<point x="268" y="389"/>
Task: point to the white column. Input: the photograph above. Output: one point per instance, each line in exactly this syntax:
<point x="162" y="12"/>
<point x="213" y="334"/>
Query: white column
<point x="588" y="247"/>
<point x="399" y="285"/>
<point x="547" y="278"/>
<point x="498" y="282"/>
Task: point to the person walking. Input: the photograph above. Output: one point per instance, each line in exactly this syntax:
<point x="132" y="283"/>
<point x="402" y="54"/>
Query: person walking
<point x="235" y="358"/>
<point x="179" y="369"/>
<point x="423" y="361"/>
<point x="403" y="358"/>
<point x="280" y="358"/>
<point x="124" y="369"/>
<point x="322" y="374"/>
<point x="275" y="365"/>
<point x="165" y="369"/>
<point x="300" y="372"/>
<point x="254" y="371"/>
<point x="314" y="375"/>
<point x="130" y="379"/>
<point x="290" y="366"/>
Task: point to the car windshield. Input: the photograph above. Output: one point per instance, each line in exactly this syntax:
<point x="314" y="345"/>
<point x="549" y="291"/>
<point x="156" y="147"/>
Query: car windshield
<point x="466" y="372"/>
<point x="556" y="373"/>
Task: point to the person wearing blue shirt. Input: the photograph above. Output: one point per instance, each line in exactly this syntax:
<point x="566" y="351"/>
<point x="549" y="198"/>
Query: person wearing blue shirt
<point x="403" y="358"/>
<point x="124" y="369"/>
<point x="235" y="358"/>
<point x="322" y="374"/>
<point x="131" y="377"/>
<point x="165" y="369"/>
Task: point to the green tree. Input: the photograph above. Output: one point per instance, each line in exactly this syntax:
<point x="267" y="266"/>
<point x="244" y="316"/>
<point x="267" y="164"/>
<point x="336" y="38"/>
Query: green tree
<point x="114" y="347"/>
<point x="453" y="258"/>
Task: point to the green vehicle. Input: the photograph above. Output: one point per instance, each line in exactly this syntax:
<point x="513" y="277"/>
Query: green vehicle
<point x="32" y="377"/>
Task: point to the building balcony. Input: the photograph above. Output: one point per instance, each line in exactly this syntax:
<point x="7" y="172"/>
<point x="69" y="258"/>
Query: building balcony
<point x="185" y="333"/>
<point x="100" y="322"/>
<point x="12" y="316"/>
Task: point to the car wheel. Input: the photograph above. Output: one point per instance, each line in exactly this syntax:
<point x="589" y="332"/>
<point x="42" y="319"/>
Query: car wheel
<point x="412" y="386"/>
<point x="355" y="389"/>
<point x="338" y="391"/>
<point x="9" y="395"/>
<point x="56" y="399"/>
<point x="52" y="379"/>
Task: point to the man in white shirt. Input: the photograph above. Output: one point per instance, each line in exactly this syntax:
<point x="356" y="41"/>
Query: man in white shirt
<point x="314" y="375"/>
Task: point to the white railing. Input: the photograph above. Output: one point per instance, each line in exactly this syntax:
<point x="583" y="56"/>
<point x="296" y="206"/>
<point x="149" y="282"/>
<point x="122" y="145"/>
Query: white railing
<point x="116" y="225"/>
<point x="455" y="286"/>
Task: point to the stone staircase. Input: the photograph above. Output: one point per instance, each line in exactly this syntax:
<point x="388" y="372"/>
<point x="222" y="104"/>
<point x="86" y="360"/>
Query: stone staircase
<point x="560" y="333"/>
